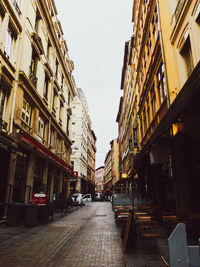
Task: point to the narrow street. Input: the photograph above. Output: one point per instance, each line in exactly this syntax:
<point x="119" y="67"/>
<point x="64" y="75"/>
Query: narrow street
<point x="85" y="237"/>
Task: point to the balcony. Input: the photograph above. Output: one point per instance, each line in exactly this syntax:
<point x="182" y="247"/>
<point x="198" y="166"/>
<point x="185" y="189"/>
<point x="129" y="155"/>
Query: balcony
<point x="33" y="78"/>
<point x="16" y="7"/>
<point x="179" y="8"/>
<point x="3" y="125"/>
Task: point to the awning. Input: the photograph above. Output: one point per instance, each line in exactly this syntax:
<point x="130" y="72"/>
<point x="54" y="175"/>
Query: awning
<point x="34" y="142"/>
<point x="181" y="105"/>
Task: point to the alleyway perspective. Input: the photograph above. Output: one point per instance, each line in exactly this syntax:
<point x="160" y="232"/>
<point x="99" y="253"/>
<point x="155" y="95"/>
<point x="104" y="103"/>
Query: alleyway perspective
<point x="85" y="237"/>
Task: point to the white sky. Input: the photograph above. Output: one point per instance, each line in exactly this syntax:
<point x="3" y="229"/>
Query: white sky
<point x="95" y="32"/>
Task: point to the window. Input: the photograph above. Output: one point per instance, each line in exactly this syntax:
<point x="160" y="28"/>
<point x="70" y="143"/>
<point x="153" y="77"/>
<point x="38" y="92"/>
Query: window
<point x="9" y="42"/>
<point x="69" y="96"/>
<point x="144" y="120"/>
<point x="41" y="128"/>
<point x="148" y="111"/>
<point x="141" y="127"/>
<point x="153" y="100"/>
<point x="61" y="111"/>
<point x="46" y="87"/>
<point x="26" y="112"/>
<point x="56" y="73"/>
<point x="48" y="49"/>
<point x="2" y="102"/>
<point x="135" y="137"/>
<point x="67" y="129"/>
<point x="186" y="53"/>
<point x="51" y="143"/>
<point x="62" y="81"/>
<point x="54" y="100"/>
<point x="33" y="68"/>
<point x="37" y="22"/>
<point x="161" y="83"/>
<point x="16" y="4"/>
<point x="58" y="141"/>
<point x="197" y="14"/>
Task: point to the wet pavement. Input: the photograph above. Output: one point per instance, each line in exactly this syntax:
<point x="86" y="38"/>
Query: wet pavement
<point x="85" y="237"/>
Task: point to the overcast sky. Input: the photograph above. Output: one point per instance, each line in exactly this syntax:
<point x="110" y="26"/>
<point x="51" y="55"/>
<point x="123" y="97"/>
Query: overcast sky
<point x="95" y="32"/>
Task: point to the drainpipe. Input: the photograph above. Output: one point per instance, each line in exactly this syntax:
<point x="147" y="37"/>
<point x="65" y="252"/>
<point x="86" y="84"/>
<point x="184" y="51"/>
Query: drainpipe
<point x="163" y="56"/>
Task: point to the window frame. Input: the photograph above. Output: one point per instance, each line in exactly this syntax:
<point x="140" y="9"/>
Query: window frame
<point x="41" y="130"/>
<point x="26" y="113"/>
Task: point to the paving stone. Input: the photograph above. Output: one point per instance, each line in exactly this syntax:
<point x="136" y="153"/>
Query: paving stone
<point x="81" y="238"/>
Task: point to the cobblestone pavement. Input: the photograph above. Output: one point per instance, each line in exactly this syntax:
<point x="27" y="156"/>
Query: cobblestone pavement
<point x="86" y="237"/>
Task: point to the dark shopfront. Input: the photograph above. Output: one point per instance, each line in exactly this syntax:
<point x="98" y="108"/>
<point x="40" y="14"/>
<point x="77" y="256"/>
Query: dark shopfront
<point x="180" y="129"/>
<point x="4" y="165"/>
<point x="154" y="184"/>
<point x="19" y="187"/>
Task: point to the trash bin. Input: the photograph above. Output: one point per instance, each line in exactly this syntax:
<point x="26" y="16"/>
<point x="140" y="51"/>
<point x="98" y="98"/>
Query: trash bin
<point x="31" y="215"/>
<point x="15" y="214"/>
<point x="44" y="213"/>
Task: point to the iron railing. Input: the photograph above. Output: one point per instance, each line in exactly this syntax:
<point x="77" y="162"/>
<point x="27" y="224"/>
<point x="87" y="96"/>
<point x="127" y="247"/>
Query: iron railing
<point x="15" y="3"/>
<point x="33" y="77"/>
<point x="3" y="125"/>
<point x="179" y="8"/>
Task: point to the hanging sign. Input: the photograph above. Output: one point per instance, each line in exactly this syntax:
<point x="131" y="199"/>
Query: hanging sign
<point x="39" y="198"/>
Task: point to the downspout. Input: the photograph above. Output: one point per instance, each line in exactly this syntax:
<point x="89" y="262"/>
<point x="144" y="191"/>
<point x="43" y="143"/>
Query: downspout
<point x="163" y="56"/>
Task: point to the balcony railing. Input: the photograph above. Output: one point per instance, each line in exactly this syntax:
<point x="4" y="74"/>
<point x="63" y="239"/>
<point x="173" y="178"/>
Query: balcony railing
<point x="3" y="125"/>
<point x="33" y="78"/>
<point x="179" y="8"/>
<point x="15" y="3"/>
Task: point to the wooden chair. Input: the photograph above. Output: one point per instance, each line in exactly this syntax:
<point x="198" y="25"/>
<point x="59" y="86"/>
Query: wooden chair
<point x="166" y="264"/>
<point x="147" y="234"/>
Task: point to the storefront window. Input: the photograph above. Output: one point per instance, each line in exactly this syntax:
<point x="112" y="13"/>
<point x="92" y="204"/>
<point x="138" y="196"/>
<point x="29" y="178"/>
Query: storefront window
<point x="161" y="83"/>
<point x="20" y="177"/>
<point x="38" y="186"/>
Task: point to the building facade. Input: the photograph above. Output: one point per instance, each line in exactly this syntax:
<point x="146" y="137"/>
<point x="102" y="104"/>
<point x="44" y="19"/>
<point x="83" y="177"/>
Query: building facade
<point x="99" y="179"/>
<point x="108" y="171"/>
<point x="115" y="161"/>
<point x="91" y="160"/>
<point x="83" y="148"/>
<point x="165" y="133"/>
<point x="36" y="90"/>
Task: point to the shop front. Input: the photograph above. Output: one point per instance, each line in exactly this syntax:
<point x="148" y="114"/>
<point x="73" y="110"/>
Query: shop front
<point x="7" y="168"/>
<point x="4" y="165"/>
<point x="170" y="179"/>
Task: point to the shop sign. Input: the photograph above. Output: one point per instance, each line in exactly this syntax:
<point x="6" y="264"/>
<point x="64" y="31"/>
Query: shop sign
<point x="39" y="198"/>
<point x="75" y="174"/>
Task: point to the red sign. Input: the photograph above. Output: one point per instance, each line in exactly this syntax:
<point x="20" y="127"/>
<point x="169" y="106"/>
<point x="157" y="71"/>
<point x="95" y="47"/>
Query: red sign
<point x="39" y="198"/>
<point x="75" y="174"/>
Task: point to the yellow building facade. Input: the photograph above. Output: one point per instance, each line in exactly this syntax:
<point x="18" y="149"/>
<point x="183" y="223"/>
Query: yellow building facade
<point x="165" y="60"/>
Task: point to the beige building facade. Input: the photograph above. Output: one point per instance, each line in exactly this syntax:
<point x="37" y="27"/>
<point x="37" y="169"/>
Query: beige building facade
<point x="36" y="91"/>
